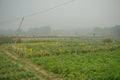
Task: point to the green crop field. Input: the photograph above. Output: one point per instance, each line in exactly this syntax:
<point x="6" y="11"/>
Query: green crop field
<point x="92" y="66"/>
<point x="10" y="70"/>
<point x="83" y="58"/>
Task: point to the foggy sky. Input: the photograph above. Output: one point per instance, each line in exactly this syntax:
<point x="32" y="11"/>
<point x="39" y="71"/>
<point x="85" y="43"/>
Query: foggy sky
<point x="80" y="13"/>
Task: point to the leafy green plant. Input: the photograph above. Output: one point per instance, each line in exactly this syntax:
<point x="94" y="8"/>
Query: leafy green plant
<point x="93" y="66"/>
<point x="108" y="40"/>
<point x="12" y="71"/>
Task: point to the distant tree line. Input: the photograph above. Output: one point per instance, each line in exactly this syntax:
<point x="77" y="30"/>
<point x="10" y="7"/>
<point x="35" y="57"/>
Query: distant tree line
<point x="6" y="32"/>
<point x="46" y="30"/>
<point x="5" y="39"/>
<point x="107" y="31"/>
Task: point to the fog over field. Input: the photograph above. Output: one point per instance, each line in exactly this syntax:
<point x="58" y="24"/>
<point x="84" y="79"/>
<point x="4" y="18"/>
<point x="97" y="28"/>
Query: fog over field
<point x="59" y="39"/>
<point x="64" y="16"/>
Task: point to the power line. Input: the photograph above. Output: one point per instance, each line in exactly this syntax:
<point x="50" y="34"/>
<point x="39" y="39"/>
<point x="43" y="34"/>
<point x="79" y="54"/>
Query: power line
<point x="39" y="12"/>
<point x="17" y="34"/>
<point x="21" y="22"/>
<point x="46" y="10"/>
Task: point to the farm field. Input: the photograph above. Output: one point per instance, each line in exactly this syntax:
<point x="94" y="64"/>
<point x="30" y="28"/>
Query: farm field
<point x="49" y="47"/>
<point x="11" y="70"/>
<point x="60" y="40"/>
<point x="71" y="58"/>
<point x="92" y="66"/>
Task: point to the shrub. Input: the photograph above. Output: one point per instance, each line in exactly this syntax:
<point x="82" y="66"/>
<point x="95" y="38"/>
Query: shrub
<point x="108" y="40"/>
<point x="4" y="39"/>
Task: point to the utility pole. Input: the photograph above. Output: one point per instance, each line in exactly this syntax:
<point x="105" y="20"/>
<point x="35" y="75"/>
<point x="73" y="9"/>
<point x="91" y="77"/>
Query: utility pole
<point x="18" y="30"/>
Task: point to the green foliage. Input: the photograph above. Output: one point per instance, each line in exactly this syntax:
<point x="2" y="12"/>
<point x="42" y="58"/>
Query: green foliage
<point x="92" y="66"/>
<point x="74" y="46"/>
<point x="18" y="40"/>
<point x="63" y="57"/>
<point x="12" y="71"/>
<point x="108" y="40"/>
<point x="4" y="39"/>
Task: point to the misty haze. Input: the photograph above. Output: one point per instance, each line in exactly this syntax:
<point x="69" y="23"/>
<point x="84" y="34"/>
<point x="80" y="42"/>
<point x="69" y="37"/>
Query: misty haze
<point x="59" y="39"/>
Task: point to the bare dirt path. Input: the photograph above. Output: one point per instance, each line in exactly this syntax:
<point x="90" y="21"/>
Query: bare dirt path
<point x="30" y="66"/>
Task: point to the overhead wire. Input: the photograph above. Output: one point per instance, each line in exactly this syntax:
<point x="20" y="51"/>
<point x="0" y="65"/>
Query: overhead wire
<point x="39" y="12"/>
<point x="35" y="13"/>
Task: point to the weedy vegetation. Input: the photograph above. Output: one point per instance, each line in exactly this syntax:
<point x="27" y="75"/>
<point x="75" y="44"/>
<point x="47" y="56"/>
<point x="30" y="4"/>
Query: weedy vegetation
<point x="71" y="58"/>
<point x="10" y="70"/>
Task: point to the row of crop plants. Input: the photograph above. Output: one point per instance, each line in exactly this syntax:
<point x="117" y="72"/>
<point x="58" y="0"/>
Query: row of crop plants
<point x="10" y="70"/>
<point x="46" y="48"/>
<point x="102" y="62"/>
<point x="93" y="66"/>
